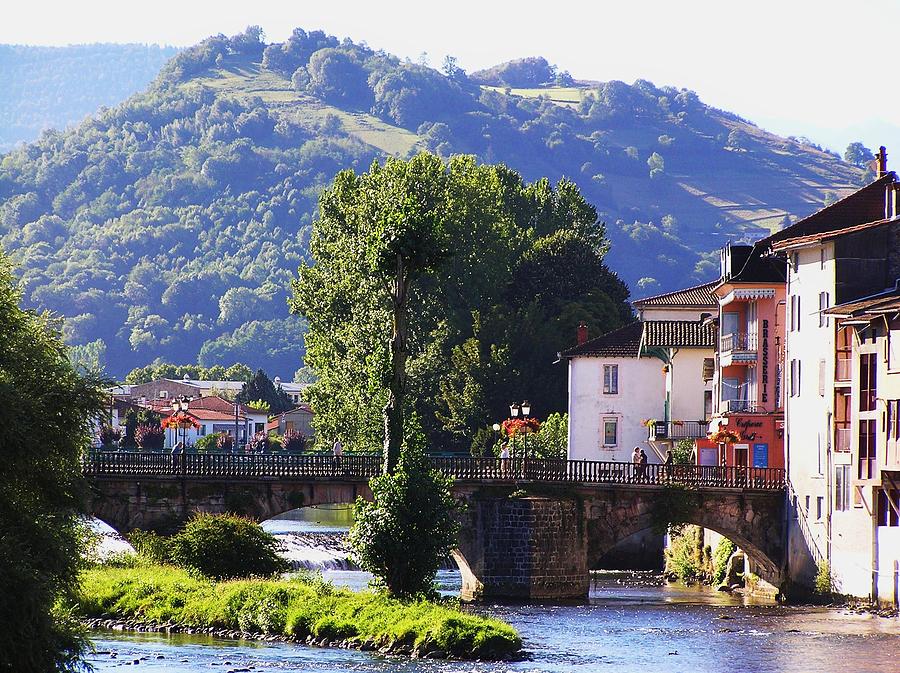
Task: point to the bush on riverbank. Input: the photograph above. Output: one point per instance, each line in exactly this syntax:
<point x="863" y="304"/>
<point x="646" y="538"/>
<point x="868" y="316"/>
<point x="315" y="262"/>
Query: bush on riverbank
<point x="295" y="608"/>
<point x="220" y="546"/>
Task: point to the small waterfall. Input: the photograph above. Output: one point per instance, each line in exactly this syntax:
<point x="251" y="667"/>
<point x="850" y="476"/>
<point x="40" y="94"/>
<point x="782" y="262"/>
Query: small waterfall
<point x="325" y="550"/>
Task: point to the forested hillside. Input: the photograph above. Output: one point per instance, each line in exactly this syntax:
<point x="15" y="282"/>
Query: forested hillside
<point x="52" y="87"/>
<point x="171" y="225"/>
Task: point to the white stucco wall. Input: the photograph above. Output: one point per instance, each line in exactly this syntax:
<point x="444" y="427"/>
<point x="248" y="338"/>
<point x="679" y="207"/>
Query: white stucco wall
<point x="688" y="385"/>
<point x="674" y="313"/>
<point x="808" y="416"/>
<point x="641" y="396"/>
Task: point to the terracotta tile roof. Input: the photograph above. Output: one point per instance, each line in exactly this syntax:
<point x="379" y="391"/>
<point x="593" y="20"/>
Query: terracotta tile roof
<point x="679" y="334"/>
<point x="862" y="208"/>
<point x="621" y="343"/>
<point x="210" y="415"/>
<point x="698" y="296"/>
<point x="216" y="403"/>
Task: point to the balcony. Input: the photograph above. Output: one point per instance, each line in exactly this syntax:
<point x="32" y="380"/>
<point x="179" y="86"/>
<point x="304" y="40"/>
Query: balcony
<point x="661" y="430"/>
<point x="732" y="406"/>
<point x="842" y="439"/>
<point x="737" y="347"/>
<point x="843" y="368"/>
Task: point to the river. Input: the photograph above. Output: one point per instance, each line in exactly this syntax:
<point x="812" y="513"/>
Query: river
<point x="633" y="622"/>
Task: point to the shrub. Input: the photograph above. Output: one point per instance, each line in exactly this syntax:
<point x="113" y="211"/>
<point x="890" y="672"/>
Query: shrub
<point x="109" y="436"/>
<point x="824" y="583"/>
<point x="294" y="442"/>
<point x="404" y="534"/>
<point x="259" y="443"/>
<point x="207" y="443"/>
<point x="224" y="442"/>
<point x="149" y="437"/>
<point x="224" y="546"/>
<point x="724" y="551"/>
<point x="150" y="546"/>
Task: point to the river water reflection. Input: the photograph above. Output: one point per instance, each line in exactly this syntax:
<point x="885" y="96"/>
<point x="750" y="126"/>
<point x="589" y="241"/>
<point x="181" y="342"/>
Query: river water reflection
<point x="632" y="623"/>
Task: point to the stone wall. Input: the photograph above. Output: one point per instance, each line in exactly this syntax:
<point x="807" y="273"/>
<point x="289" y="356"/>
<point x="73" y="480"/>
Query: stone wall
<point x="524" y="547"/>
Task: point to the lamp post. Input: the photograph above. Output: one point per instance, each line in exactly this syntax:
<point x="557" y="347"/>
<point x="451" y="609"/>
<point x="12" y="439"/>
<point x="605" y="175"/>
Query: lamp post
<point x="514" y="410"/>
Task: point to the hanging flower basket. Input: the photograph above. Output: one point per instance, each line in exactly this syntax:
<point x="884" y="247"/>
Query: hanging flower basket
<point x="724" y="436"/>
<point x="180" y="421"/>
<point x="520" y="426"/>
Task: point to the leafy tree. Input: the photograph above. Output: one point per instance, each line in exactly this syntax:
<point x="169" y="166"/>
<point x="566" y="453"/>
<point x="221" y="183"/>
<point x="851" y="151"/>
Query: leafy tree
<point x="408" y="529"/>
<point x="261" y="389"/>
<point x="656" y="164"/>
<point x="392" y="225"/>
<point x="737" y="140"/>
<point x="552" y="440"/>
<point x="46" y="410"/>
<point x="858" y="154"/>
<point x="336" y="76"/>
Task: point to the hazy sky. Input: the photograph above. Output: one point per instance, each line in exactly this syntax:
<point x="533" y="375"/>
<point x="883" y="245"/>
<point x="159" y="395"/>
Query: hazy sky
<point x="821" y="68"/>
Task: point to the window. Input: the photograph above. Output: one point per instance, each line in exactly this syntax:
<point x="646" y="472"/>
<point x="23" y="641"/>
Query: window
<point x="842" y="488"/>
<point x="822" y="378"/>
<point x="866" y="456"/>
<point x="707" y="404"/>
<point x="822" y="258"/>
<point x="610" y="379"/>
<point x="893" y="419"/>
<point x="795" y="378"/>
<point x="867" y="371"/>
<point x="892" y="346"/>
<point x="888" y="507"/>
<point x="819" y="507"/>
<point x="610" y="432"/>
<point x="203" y="430"/>
<point x="795" y="262"/>
<point x="823" y="306"/>
<point x="794" y="301"/>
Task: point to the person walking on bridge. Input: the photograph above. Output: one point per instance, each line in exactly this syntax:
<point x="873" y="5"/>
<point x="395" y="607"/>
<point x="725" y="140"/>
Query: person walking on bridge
<point x="337" y="452"/>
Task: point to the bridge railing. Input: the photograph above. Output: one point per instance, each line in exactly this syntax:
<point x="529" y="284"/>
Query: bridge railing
<point x="463" y="468"/>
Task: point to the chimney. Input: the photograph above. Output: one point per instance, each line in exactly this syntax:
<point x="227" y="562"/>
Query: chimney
<point x="881" y="159"/>
<point x="582" y="333"/>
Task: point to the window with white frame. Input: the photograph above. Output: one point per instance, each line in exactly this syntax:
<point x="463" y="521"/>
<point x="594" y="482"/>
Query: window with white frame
<point x="610" y="432"/>
<point x="842" y="488"/>
<point x="795" y="378"/>
<point x="610" y="379"/>
<point x="823" y="306"/>
<point x="892" y="348"/>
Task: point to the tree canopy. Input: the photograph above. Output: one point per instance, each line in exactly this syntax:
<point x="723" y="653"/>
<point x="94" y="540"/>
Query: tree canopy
<point x="462" y="274"/>
<point x="46" y="414"/>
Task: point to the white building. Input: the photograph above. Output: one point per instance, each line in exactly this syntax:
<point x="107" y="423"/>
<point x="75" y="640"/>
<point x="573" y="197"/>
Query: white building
<point x="845" y="252"/>
<point x="646" y="384"/>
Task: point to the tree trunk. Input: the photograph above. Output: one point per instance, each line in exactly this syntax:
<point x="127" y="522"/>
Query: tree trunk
<point x="393" y="410"/>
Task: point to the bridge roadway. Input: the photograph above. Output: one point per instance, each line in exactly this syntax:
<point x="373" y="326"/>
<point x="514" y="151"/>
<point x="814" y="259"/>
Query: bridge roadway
<point x="531" y="529"/>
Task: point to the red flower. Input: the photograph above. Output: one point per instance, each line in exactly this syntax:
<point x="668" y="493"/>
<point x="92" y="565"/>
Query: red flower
<point x="181" y="421"/>
<point x="515" y="426"/>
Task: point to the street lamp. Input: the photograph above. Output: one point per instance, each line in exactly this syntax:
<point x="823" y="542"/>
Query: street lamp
<point x="513" y="409"/>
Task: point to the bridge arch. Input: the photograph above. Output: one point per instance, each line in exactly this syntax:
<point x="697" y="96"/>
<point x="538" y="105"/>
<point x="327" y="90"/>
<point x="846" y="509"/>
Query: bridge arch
<point x="754" y="522"/>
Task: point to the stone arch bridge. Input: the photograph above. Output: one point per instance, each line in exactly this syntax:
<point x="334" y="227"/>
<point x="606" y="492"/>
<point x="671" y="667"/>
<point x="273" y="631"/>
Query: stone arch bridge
<point x="530" y="530"/>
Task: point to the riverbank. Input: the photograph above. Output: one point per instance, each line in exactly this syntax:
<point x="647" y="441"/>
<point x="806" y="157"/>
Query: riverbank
<point x="168" y="599"/>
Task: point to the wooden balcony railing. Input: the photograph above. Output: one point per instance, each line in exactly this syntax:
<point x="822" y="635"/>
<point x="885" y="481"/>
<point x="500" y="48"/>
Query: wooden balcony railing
<point x="209" y="466"/>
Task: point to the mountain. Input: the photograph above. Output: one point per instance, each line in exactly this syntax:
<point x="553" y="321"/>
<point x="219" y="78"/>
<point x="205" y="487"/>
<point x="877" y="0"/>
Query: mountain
<point x="52" y="87"/>
<point x="171" y="225"/>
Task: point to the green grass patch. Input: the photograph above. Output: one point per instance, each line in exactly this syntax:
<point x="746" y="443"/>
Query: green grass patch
<point x="295" y="607"/>
<point x="557" y="94"/>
